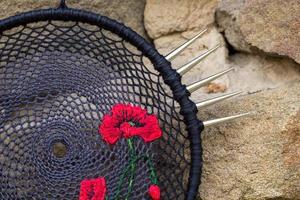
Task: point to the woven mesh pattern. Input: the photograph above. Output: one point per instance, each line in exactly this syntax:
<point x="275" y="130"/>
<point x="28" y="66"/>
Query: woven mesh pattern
<point x="57" y="81"/>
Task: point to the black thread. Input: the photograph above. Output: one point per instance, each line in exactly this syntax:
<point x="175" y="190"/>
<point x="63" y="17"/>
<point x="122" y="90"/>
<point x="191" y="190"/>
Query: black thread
<point x="62" y="4"/>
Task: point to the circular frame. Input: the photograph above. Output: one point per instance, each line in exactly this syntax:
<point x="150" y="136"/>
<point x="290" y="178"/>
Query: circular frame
<point x="188" y="108"/>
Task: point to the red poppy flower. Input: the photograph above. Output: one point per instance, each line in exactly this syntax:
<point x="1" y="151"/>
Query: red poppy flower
<point x="93" y="189"/>
<point x="154" y="192"/>
<point x="128" y="121"/>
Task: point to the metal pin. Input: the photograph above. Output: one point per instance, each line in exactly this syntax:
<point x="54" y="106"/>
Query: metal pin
<point x="188" y="66"/>
<point x="216" y="100"/>
<point x="182" y="47"/>
<point x="224" y="119"/>
<point x="195" y="86"/>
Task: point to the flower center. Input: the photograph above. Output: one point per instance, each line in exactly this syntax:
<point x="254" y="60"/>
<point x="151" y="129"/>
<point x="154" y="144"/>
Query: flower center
<point x="131" y="123"/>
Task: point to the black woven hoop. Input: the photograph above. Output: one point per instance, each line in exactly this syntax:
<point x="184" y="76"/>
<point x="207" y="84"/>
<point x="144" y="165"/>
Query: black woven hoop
<point x="188" y="109"/>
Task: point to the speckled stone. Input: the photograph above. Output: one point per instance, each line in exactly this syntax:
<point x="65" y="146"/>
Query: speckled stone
<point x="268" y="26"/>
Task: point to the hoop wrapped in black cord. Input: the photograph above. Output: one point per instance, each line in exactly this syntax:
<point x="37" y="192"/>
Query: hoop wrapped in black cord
<point x="61" y="71"/>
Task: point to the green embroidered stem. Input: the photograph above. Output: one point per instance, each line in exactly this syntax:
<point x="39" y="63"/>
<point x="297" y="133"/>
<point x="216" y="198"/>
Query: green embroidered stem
<point x="130" y="170"/>
<point x="153" y="175"/>
<point x="132" y="167"/>
<point x="124" y="175"/>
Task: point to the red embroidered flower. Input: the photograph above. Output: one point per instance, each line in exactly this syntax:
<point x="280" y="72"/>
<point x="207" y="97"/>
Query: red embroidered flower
<point x="128" y="121"/>
<point x="154" y="192"/>
<point x="93" y="189"/>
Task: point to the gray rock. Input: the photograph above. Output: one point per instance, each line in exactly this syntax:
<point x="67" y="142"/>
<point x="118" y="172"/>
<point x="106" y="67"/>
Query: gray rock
<point x="252" y="72"/>
<point x="267" y="26"/>
<point x="170" y="16"/>
<point x="258" y="72"/>
<point x="256" y="157"/>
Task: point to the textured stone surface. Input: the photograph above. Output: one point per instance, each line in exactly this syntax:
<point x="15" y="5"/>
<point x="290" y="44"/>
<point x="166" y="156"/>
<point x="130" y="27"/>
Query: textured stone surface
<point x="251" y="73"/>
<point x="212" y="64"/>
<point x="256" y="157"/>
<point x="262" y="25"/>
<point x="129" y="12"/>
<point x="258" y="72"/>
<point x="170" y="16"/>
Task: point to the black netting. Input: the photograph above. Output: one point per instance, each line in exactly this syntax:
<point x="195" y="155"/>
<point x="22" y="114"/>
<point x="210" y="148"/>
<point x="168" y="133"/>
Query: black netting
<point x="57" y="80"/>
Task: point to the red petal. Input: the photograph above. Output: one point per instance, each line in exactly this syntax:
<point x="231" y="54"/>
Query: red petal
<point x="109" y="132"/>
<point x="154" y="192"/>
<point x="138" y="113"/>
<point x="113" y="126"/>
<point x="93" y="189"/>
<point x="126" y="129"/>
<point x="118" y="109"/>
<point x="151" y="130"/>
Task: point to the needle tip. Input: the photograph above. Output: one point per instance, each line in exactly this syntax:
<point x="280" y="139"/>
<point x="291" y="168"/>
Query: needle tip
<point x="225" y="119"/>
<point x="182" y="47"/>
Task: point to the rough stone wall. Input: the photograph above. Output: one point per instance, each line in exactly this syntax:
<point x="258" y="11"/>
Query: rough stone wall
<point x="256" y="158"/>
<point x="262" y="25"/>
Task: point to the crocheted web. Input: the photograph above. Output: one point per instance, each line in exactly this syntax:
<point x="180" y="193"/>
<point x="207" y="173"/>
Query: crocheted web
<point x="57" y="81"/>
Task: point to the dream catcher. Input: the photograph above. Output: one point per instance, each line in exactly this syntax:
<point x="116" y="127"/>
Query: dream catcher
<point x="90" y="110"/>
